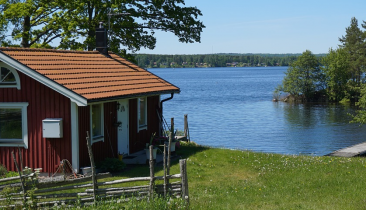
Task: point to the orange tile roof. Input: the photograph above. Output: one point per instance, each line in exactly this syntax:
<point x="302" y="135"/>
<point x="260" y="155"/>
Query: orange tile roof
<point x="91" y="74"/>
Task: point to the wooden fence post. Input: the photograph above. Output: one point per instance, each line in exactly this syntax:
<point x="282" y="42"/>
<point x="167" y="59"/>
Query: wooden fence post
<point x="172" y="127"/>
<point x="94" y="177"/>
<point x="21" y="178"/>
<point x="171" y="137"/>
<point x="151" y="186"/>
<point x="183" y="173"/>
<point x="164" y="163"/>
<point x="20" y="159"/>
<point x="186" y="126"/>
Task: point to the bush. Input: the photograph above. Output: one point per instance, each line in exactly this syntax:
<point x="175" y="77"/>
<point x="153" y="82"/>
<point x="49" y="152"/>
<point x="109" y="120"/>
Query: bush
<point x="11" y="174"/>
<point x="111" y="165"/>
<point x="3" y="171"/>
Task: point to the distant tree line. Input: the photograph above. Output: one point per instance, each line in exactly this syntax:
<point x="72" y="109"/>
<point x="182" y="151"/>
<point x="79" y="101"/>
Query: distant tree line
<point x="214" y="60"/>
<point x="340" y="76"/>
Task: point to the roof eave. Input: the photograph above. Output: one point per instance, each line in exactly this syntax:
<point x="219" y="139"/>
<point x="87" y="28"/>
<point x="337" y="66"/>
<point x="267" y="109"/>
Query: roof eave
<point x="133" y="96"/>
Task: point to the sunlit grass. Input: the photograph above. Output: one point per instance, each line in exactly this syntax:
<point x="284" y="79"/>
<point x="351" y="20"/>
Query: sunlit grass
<point x="233" y="179"/>
<point x="229" y="179"/>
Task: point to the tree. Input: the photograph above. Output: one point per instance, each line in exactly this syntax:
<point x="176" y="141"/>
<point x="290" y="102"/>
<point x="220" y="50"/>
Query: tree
<point x="303" y="77"/>
<point x="336" y="69"/>
<point x="132" y="22"/>
<point x="354" y="44"/>
<point x="31" y="22"/>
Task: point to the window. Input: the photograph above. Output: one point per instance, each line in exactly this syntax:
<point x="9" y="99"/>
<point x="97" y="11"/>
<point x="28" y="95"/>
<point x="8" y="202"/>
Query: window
<point x="9" y="78"/>
<point x="142" y="113"/>
<point x="13" y="124"/>
<point x="97" y="122"/>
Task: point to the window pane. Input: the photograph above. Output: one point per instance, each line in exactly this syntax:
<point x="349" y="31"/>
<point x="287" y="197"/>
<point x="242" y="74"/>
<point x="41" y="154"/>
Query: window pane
<point x="4" y="72"/>
<point x="10" y="78"/>
<point x="11" y="124"/>
<point x="96" y="120"/>
<point x="142" y="119"/>
<point x="6" y="76"/>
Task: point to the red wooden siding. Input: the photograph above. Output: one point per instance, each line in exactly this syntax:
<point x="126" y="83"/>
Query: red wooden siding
<point x="101" y="149"/>
<point x="43" y="103"/>
<point x="138" y="139"/>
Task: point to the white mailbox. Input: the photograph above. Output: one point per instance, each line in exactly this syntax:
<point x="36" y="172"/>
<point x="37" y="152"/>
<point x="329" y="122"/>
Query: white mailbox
<point x="52" y="128"/>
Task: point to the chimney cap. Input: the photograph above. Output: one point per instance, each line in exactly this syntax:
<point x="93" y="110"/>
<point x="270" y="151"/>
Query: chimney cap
<point x="100" y="24"/>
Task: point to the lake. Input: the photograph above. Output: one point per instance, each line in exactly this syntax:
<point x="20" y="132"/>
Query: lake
<point x="232" y="108"/>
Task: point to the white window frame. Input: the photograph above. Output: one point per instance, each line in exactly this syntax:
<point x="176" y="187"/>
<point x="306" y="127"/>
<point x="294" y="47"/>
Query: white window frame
<point x="15" y="73"/>
<point x="17" y="142"/>
<point x="98" y="138"/>
<point x="143" y="126"/>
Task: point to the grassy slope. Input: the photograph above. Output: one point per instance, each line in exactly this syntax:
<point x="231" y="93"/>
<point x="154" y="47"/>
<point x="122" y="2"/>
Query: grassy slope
<point x="228" y="179"/>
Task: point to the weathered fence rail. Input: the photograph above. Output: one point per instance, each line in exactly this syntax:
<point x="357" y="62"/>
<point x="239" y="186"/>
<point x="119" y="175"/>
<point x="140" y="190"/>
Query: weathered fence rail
<point x="45" y="194"/>
<point x="29" y="192"/>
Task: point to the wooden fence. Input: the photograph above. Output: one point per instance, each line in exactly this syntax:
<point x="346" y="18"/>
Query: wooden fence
<point x="27" y="190"/>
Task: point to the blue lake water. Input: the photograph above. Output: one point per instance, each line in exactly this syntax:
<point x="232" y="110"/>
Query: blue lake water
<point x="233" y="108"/>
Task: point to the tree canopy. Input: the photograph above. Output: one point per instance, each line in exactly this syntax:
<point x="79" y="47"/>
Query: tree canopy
<point x="336" y="67"/>
<point x="132" y="23"/>
<point x="338" y="76"/>
<point x="303" y="77"/>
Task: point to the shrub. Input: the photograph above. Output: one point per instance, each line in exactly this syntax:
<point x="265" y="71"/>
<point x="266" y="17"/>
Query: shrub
<point x="11" y="174"/>
<point x="111" y="165"/>
<point x="3" y="171"/>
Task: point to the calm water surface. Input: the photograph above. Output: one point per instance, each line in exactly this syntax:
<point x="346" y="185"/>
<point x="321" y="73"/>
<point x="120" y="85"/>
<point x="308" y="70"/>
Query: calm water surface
<point x="232" y="108"/>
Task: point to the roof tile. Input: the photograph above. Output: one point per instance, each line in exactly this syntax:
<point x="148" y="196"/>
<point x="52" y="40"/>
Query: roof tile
<point x="91" y="74"/>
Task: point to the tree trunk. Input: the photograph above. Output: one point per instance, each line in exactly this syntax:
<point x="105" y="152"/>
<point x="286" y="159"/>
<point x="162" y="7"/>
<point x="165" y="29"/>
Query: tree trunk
<point x="91" y="30"/>
<point x="25" y="36"/>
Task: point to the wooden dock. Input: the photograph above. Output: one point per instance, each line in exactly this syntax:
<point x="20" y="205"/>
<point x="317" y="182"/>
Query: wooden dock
<point x="352" y="151"/>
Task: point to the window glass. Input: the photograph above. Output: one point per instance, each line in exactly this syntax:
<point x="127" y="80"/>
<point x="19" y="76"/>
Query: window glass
<point x="97" y="120"/>
<point x="11" y="124"/>
<point x="142" y="112"/>
<point x="6" y="76"/>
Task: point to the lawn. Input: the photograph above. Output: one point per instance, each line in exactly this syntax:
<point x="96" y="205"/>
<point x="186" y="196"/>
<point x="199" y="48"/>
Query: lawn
<point x="229" y="179"/>
<point x="234" y="179"/>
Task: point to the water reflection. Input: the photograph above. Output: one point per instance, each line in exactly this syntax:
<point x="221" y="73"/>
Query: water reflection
<point x="310" y="115"/>
<point x="320" y="128"/>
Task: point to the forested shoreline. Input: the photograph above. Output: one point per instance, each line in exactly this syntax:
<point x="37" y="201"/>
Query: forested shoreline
<point x="215" y="60"/>
<point x="340" y="76"/>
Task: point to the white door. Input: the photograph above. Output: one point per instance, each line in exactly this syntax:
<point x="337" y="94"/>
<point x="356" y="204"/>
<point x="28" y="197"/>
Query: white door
<point x="122" y="117"/>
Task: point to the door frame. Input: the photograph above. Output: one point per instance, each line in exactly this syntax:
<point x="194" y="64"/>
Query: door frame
<point x="123" y="129"/>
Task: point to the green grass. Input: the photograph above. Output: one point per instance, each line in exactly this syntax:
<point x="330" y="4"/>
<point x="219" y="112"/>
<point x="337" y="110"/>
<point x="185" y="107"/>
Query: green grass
<point x="228" y="179"/>
<point x="231" y="179"/>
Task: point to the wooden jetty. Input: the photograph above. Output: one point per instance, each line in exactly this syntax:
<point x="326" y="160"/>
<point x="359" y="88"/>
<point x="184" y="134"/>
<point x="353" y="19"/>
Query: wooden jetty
<point x="186" y="136"/>
<point x="352" y="151"/>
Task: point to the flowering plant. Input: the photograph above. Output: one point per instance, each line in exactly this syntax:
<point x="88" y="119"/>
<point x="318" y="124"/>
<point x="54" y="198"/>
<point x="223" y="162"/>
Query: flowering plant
<point x="153" y="141"/>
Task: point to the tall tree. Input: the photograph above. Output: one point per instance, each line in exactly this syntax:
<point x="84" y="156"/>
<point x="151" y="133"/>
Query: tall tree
<point x="336" y="69"/>
<point x="31" y="22"/>
<point x="354" y="44"/>
<point x="303" y="77"/>
<point x="132" y="23"/>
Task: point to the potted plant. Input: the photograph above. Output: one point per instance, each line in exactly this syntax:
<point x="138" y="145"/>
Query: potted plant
<point x="147" y="150"/>
<point x="172" y="145"/>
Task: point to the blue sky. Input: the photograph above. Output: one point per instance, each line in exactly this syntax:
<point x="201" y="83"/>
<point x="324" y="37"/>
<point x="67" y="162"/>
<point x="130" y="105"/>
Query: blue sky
<point x="266" y="26"/>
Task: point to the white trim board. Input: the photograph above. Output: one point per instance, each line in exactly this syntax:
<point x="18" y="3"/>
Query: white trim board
<point x="75" y="136"/>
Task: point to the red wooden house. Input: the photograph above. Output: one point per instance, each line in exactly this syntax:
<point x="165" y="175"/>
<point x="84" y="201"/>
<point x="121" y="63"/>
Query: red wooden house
<point x="50" y="98"/>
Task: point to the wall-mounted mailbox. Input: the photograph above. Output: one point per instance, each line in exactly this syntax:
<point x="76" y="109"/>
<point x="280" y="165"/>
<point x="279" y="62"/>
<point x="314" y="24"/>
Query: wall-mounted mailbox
<point x="52" y="128"/>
